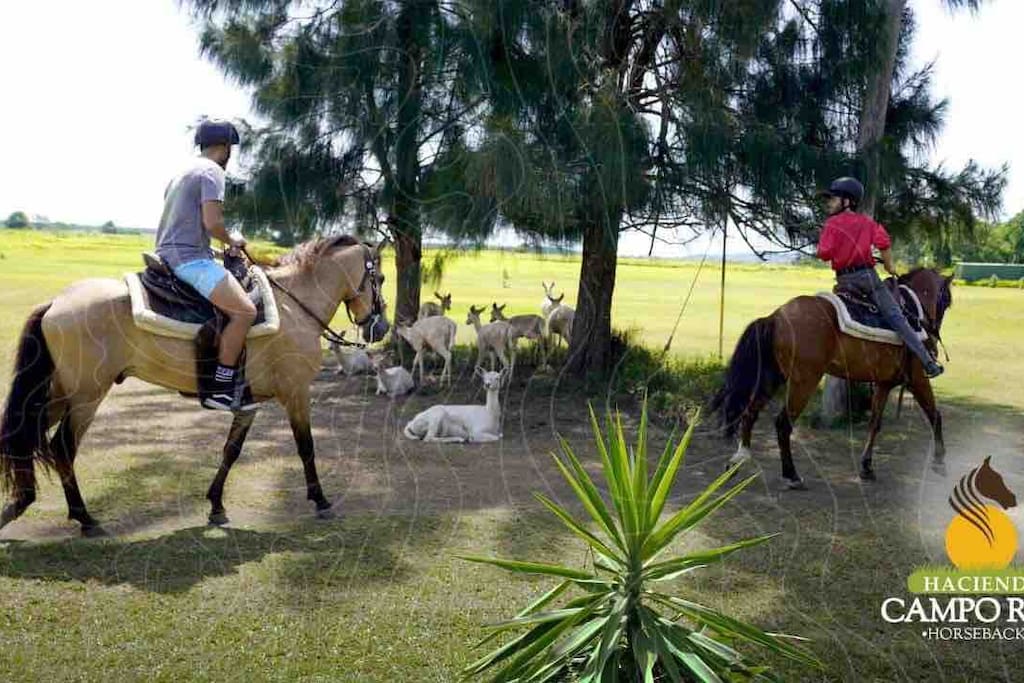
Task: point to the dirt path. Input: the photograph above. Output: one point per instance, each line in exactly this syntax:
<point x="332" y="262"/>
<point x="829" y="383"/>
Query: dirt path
<point x="150" y="455"/>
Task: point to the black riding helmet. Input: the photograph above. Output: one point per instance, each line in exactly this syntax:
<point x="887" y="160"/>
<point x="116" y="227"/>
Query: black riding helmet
<point x="848" y="187"/>
<point x="210" y="133"/>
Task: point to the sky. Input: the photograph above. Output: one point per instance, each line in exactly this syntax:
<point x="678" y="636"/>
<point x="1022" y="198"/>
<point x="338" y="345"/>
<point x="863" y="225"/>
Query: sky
<point x="97" y="99"/>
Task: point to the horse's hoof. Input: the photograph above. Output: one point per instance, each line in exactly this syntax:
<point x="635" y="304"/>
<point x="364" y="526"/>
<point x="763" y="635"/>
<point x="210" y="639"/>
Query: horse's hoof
<point x="793" y="484"/>
<point x="939" y="467"/>
<point x="326" y="513"/>
<point x="218" y="518"/>
<point x="867" y="474"/>
<point x="94" y="531"/>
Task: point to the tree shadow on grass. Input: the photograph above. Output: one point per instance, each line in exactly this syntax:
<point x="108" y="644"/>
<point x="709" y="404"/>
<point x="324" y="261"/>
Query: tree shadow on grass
<point x="297" y="558"/>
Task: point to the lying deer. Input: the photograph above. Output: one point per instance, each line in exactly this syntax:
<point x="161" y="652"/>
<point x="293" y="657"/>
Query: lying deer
<point x="462" y="424"/>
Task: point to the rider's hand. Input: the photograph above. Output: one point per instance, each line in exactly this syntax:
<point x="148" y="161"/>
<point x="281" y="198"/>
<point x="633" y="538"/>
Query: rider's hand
<point x="236" y="241"/>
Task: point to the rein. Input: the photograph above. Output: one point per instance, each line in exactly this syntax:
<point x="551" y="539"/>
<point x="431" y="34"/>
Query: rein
<point x="327" y="332"/>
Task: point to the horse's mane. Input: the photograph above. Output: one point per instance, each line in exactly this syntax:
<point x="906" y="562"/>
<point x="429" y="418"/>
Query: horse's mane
<point x="907" y="277"/>
<point x="945" y="297"/>
<point x="307" y="253"/>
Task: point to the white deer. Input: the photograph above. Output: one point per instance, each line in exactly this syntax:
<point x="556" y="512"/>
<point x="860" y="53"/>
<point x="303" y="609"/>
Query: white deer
<point x="429" y="308"/>
<point x="435" y="333"/>
<point x="559" y="319"/>
<point x="351" y="360"/>
<point x="394" y="381"/>
<point x="494" y="339"/>
<point x="462" y="424"/>
<point x="549" y="296"/>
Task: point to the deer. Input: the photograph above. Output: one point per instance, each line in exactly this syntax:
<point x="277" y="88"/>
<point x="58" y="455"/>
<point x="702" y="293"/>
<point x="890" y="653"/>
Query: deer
<point x="527" y="326"/>
<point x="434" y="333"/>
<point x="494" y="339"/>
<point x="430" y="309"/>
<point x="462" y="423"/>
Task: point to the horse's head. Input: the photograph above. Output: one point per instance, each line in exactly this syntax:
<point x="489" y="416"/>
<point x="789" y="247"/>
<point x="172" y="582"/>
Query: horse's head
<point x="364" y="302"/>
<point x="934" y="290"/>
<point x="989" y="483"/>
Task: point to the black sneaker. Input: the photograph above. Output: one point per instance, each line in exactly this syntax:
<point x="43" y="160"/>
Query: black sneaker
<point x="228" y="395"/>
<point x="933" y="370"/>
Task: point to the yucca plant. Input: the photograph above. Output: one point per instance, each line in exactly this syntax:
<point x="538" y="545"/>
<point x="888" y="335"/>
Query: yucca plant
<point x="621" y="626"/>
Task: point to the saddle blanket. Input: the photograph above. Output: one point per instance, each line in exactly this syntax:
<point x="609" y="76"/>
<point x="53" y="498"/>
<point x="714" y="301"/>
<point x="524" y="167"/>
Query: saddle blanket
<point x="181" y="311"/>
<point x="859" y="318"/>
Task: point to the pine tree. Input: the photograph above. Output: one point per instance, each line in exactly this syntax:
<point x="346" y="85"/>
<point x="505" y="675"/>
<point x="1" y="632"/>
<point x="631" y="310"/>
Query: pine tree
<point x="361" y="102"/>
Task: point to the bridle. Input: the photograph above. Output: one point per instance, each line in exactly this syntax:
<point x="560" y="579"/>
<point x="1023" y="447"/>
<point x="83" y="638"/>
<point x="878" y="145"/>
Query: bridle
<point x="376" y="309"/>
<point x="369" y="276"/>
<point x="930" y="325"/>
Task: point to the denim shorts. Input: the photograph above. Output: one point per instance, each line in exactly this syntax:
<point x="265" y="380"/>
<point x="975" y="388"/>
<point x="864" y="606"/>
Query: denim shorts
<point x="202" y="274"/>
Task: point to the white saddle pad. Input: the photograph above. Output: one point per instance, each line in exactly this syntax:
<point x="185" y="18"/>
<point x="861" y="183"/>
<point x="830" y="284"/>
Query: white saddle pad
<point x="847" y="325"/>
<point x="147" y="319"/>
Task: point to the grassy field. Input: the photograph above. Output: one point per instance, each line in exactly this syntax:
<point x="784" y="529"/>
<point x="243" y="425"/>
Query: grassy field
<point x="982" y="331"/>
<point x="378" y="594"/>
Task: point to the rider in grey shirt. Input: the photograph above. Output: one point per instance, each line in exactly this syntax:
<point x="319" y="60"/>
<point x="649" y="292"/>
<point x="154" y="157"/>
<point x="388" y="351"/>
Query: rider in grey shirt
<point x="181" y="237"/>
<point x="193" y="212"/>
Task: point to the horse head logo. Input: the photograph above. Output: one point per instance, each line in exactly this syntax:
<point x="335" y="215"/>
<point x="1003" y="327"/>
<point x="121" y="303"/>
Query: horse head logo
<point x="997" y="542"/>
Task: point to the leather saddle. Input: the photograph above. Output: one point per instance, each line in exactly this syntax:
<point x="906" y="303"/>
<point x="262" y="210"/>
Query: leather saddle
<point x="166" y="306"/>
<point x="859" y="317"/>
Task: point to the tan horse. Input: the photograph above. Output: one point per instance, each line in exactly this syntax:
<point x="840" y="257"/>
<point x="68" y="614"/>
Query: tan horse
<point x="799" y="343"/>
<point x="76" y="347"/>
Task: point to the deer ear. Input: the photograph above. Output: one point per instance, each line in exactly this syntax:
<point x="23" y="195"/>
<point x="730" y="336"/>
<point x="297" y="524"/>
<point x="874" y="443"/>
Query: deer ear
<point x="559" y="299"/>
<point x="380" y="245"/>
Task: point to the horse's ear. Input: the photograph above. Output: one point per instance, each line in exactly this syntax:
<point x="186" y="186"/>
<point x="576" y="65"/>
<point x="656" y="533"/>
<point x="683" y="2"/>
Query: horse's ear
<point x="380" y="245"/>
<point x="438" y="295"/>
<point x="559" y="299"/>
<point x="987" y="458"/>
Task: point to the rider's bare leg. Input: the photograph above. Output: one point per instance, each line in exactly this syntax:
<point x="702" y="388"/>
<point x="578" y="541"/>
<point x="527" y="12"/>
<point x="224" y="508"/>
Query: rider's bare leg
<point x="230" y="298"/>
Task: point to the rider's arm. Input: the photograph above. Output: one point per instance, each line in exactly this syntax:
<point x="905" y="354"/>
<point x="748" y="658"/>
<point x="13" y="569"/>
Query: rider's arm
<point x="880" y="240"/>
<point x="886" y="255"/>
<point x="213" y="221"/>
<point x="825" y="244"/>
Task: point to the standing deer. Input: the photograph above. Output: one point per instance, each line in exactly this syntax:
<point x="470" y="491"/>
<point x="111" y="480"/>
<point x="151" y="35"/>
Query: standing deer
<point x="527" y="326"/>
<point x="494" y="339"/>
<point x="429" y="308"/>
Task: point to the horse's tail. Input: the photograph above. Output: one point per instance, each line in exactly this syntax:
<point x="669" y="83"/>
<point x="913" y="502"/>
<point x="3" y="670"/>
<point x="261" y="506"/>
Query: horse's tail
<point x="24" y="422"/>
<point x="753" y="374"/>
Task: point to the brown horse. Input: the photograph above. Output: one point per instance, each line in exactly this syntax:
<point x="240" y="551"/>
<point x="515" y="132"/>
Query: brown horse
<point x="74" y="348"/>
<point x="799" y="343"/>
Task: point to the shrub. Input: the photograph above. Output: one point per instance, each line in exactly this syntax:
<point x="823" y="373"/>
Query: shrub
<point x="619" y="625"/>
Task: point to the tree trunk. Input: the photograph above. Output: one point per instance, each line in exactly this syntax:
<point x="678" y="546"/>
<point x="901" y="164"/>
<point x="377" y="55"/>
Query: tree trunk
<point x="405" y="215"/>
<point x="876" y="105"/>
<point x="590" y="350"/>
<point x="836" y="398"/>
<point x="408" y="252"/>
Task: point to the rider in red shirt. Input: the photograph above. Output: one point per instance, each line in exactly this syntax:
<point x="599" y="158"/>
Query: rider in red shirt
<point x="846" y="240"/>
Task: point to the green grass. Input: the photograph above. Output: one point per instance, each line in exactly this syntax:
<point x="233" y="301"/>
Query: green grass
<point x="378" y="596"/>
<point x="982" y="331"/>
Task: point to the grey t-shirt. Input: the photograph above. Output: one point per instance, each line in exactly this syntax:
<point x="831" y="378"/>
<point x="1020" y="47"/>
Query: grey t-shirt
<point x="181" y="237"/>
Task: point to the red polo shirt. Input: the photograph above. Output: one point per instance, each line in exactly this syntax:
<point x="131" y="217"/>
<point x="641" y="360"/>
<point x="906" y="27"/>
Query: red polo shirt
<point x="847" y="238"/>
